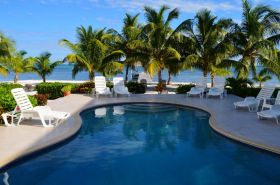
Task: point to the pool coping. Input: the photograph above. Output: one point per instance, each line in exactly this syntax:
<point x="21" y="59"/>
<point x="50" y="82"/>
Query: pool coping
<point x="76" y="118"/>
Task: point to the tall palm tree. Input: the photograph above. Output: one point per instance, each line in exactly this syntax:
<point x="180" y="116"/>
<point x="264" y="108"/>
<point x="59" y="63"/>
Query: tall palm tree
<point x="255" y="39"/>
<point x="43" y="66"/>
<point x="261" y="77"/>
<point x="158" y="35"/>
<point x="209" y="42"/>
<point x="6" y="48"/>
<point x="18" y="63"/>
<point x="90" y="50"/>
<point x="131" y="33"/>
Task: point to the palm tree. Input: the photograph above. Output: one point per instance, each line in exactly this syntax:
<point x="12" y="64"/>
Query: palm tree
<point x="43" y="66"/>
<point x="18" y="63"/>
<point x="158" y="35"/>
<point x="6" y="48"/>
<point x="262" y="77"/>
<point x="90" y="50"/>
<point x="209" y="42"/>
<point x="131" y="33"/>
<point x="255" y="39"/>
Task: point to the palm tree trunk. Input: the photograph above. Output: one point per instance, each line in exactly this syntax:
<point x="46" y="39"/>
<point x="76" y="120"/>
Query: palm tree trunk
<point x="91" y="76"/>
<point x="126" y="74"/>
<point x="212" y="80"/>
<point x="159" y="76"/>
<point x="16" y="78"/>
<point x="260" y="85"/>
<point x="169" y="78"/>
<point x="44" y="78"/>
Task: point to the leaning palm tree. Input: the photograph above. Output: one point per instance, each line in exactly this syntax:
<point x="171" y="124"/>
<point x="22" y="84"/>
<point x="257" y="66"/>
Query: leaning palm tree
<point x="90" y="50"/>
<point x="18" y="63"/>
<point x="209" y="43"/>
<point x="43" y="66"/>
<point x="158" y="35"/>
<point x="6" y="48"/>
<point x="255" y="39"/>
<point x="131" y="33"/>
<point x="262" y="76"/>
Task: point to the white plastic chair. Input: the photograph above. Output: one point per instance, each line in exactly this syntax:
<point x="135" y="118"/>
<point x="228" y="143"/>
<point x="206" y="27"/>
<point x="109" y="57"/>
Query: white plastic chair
<point x="218" y="89"/>
<point x="268" y="106"/>
<point x="254" y="103"/>
<point x="100" y="86"/>
<point x="272" y="113"/>
<point x="26" y="110"/>
<point x="199" y="88"/>
<point x="119" y="87"/>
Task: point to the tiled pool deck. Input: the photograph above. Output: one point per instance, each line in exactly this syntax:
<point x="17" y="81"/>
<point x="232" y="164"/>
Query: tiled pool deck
<point x="241" y="125"/>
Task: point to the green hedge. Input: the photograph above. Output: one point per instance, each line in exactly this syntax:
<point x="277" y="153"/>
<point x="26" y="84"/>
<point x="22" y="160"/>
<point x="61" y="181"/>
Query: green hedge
<point x="53" y="89"/>
<point x="247" y="91"/>
<point x="183" y="89"/>
<point x="136" y="88"/>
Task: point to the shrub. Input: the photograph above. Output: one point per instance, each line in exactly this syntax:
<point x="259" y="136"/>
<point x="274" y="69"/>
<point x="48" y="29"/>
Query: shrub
<point x="136" y="88"/>
<point x="110" y="84"/>
<point x="53" y="89"/>
<point x="84" y="88"/>
<point x="66" y="88"/>
<point x="183" y="89"/>
<point x="42" y="99"/>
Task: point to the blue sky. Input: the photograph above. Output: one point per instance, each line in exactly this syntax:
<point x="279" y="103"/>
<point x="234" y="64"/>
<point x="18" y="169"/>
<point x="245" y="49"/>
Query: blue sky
<point x="38" y="25"/>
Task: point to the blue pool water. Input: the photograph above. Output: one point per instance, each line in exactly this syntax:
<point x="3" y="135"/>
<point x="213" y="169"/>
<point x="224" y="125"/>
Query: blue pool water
<point x="147" y="144"/>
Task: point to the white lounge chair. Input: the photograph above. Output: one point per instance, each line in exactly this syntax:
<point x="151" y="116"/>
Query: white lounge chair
<point x="100" y="86"/>
<point x="272" y="113"/>
<point x="216" y="91"/>
<point x="199" y="88"/>
<point x="196" y="91"/>
<point x="119" y="87"/>
<point x="253" y="103"/>
<point x="268" y="106"/>
<point x="26" y="110"/>
<point x="219" y="88"/>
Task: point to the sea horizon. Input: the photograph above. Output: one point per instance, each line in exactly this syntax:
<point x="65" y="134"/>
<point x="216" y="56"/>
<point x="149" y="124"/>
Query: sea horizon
<point x="64" y="73"/>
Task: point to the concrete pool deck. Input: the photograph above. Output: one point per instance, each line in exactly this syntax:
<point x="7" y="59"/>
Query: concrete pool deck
<point x="240" y="125"/>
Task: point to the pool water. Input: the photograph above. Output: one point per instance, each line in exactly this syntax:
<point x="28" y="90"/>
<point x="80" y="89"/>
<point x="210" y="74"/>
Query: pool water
<point x="147" y="144"/>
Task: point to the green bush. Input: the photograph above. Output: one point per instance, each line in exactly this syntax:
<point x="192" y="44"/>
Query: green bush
<point x="136" y="88"/>
<point x="53" y="89"/>
<point x="42" y="99"/>
<point x="183" y="89"/>
<point x="83" y="88"/>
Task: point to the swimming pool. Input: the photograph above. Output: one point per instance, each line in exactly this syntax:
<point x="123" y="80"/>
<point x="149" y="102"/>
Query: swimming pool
<point x="147" y="144"/>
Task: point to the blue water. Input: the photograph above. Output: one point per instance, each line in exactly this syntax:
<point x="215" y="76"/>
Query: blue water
<point x="148" y="144"/>
<point x="64" y="72"/>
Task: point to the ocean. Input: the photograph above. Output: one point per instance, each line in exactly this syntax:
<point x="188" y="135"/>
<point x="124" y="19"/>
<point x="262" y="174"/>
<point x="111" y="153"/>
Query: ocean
<point x="64" y="72"/>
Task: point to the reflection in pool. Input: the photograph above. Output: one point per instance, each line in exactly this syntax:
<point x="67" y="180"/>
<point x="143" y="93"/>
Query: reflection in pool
<point x="147" y="144"/>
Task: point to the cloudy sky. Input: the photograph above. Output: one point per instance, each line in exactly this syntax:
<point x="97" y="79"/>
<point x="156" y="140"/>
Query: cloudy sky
<point x="38" y="25"/>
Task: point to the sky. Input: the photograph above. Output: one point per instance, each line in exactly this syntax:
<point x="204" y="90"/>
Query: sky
<point x="37" y="25"/>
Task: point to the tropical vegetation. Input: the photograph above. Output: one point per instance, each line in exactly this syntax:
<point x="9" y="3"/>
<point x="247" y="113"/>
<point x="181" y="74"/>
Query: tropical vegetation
<point x="213" y="45"/>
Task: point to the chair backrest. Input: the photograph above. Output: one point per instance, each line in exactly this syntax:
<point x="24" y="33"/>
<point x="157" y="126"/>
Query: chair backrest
<point x="100" y="83"/>
<point x="265" y="93"/>
<point x="219" y="83"/>
<point x="22" y="99"/>
<point x="277" y="100"/>
<point x="202" y="82"/>
<point x="118" y="81"/>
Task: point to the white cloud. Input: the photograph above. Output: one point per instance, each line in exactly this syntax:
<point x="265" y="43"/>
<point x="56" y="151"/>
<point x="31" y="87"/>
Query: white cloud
<point x="189" y="6"/>
<point x="185" y="6"/>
